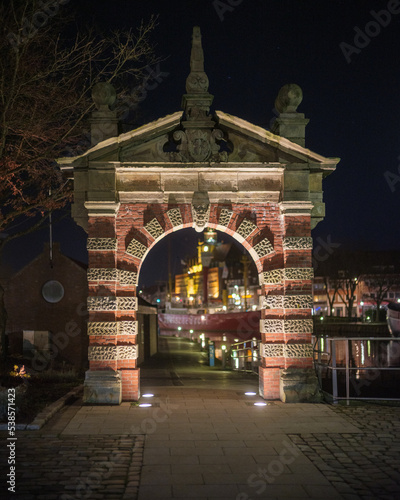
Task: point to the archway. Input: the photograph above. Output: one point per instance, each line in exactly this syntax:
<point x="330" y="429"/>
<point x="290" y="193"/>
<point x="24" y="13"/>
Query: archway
<point x="263" y="188"/>
<point x="286" y="301"/>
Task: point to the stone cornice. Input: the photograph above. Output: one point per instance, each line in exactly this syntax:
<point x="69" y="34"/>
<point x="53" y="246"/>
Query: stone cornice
<point x="102" y="208"/>
<point x="279" y="142"/>
<point x="296" y="207"/>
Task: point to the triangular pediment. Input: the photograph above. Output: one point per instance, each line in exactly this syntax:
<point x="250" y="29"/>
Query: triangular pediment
<point x="231" y="139"/>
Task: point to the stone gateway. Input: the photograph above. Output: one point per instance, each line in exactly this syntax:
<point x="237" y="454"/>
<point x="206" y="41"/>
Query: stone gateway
<point x="196" y="169"/>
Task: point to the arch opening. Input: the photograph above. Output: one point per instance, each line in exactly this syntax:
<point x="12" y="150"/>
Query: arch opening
<point x="220" y="315"/>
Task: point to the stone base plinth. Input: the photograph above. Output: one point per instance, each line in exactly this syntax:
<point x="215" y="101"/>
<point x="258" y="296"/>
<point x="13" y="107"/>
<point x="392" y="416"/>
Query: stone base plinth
<point x="299" y="385"/>
<point x="269" y="382"/>
<point x="102" y="387"/>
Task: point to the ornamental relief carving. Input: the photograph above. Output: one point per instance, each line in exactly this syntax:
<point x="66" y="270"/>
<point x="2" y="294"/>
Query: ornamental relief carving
<point x="291" y="273"/>
<point x="246" y="228"/>
<point x="127" y="352"/>
<point x="127" y="277"/>
<point x="298" y="350"/>
<point x="286" y="350"/>
<point x="101" y="244"/>
<point x="112" y="274"/>
<point x="102" y="274"/>
<point x="271" y="350"/>
<point x="102" y="328"/>
<point x="271" y="325"/>
<point x="298" y="326"/>
<point x="175" y="216"/>
<point x="111" y="303"/>
<point x="286" y="325"/>
<point x="108" y="303"/>
<point x="298" y="243"/>
<point x="298" y="302"/>
<point x="107" y="328"/>
<point x="299" y="273"/>
<point x="102" y="353"/>
<point x="196" y="144"/>
<point x="271" y="277"/>
<point x="127" y="327"/>
<point x="286" y="302"/>
<point x="263" y="248"/>
<point x="154" y="228"/>
<point x="112" y="353"/>
<point x="271" y="302"/>
<point x="225" y="217"/>
<point x="127" y="303"/>
<point x="136" y="249"/>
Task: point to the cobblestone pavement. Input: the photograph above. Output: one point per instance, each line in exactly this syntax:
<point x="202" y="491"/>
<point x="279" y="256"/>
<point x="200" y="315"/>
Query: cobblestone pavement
<point x="365" y="465"/>
<point x="53" y="467"/>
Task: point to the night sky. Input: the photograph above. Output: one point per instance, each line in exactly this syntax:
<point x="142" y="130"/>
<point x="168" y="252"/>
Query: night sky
<point x="251" y="50"/>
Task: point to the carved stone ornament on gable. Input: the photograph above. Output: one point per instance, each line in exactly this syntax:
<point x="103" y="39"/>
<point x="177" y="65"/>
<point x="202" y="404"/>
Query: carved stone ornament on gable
<point x="199" y="144"/>
<point x="200" y="210"/>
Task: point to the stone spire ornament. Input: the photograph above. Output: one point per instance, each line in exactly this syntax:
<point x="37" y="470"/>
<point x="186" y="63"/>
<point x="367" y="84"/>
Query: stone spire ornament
<point x="199" y="139"/>
<point x="197" y="81"/>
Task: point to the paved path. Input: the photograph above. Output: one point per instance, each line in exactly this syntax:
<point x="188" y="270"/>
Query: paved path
<point x="204" y="439"/>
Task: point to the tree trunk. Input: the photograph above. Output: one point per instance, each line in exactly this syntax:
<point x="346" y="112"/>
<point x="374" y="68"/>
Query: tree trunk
<point x="3" y="321"/>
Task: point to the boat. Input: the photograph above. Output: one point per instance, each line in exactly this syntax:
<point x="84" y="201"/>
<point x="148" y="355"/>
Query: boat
<point x="393" y="318"/>
<point x="242" y="325"/>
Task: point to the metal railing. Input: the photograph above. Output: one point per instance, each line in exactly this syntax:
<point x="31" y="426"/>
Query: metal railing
<point x="358" y="367"/>
<point x="245" y="356"/>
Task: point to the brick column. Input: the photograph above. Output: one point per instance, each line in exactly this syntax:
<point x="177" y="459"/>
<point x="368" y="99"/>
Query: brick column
<point x="102" y="381"/>
<point x="272" y="336"/>
<point x="286" y="303"/>
<point x="112" y="325"/>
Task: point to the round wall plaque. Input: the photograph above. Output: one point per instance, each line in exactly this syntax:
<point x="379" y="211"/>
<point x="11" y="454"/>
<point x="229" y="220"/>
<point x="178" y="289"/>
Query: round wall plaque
<point x="52" y="291"/>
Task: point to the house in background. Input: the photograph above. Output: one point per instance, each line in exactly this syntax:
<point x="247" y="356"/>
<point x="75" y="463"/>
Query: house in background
<point x="46" y="310"/>
<point x="376" y="283"/>
<point x="46" y="304"/>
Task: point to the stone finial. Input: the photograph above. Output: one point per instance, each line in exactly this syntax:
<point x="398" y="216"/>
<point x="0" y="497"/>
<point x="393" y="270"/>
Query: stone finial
<point x="289" y="123"/>
<point x="289" y="98"/>
<point x="103" y="95"/>
<point x="104" y="121"/>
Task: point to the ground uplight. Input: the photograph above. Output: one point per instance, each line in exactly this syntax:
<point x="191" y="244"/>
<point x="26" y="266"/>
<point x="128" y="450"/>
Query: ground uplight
<point x="260" y="403"/>
<point x="145" y="405"/>
<point x="250" y="394"/>
<point x="148" y="395"/>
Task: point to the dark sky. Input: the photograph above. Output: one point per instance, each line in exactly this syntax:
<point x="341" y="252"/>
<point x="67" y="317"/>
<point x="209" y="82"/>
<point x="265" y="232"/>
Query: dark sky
<point x="251" y="50"/>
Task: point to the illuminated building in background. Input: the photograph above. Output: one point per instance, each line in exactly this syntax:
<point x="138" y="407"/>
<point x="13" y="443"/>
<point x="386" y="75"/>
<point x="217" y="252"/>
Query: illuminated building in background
<point x="226" y="276"/>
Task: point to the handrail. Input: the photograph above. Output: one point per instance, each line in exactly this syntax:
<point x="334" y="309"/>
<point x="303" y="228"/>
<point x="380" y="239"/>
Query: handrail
<point x="245" y="355"/>
<point x="346" y="356"/>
